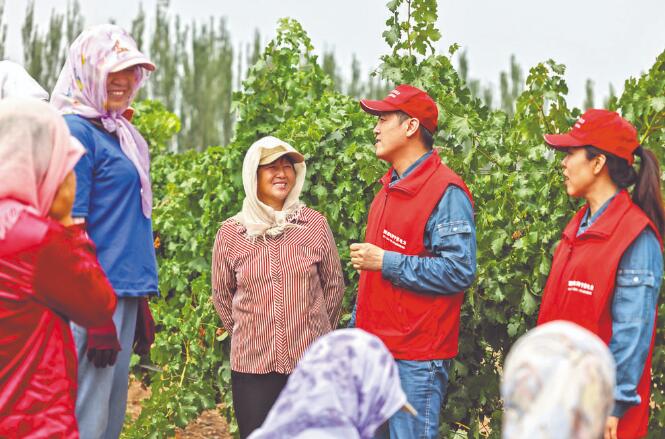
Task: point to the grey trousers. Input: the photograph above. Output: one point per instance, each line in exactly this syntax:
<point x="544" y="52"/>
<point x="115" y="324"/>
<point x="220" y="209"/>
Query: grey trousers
<point x="101" y="400"/>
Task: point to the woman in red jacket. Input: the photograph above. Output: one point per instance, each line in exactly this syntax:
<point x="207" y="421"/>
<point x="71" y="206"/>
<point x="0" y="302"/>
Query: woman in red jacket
<point x="49" y="273"/>
<point x="608" y="267"/>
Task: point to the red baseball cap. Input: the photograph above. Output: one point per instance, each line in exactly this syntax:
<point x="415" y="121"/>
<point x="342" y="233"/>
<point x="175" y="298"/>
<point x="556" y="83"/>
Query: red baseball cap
<point x="604" y="129"/>
<point x="411" y="100"/>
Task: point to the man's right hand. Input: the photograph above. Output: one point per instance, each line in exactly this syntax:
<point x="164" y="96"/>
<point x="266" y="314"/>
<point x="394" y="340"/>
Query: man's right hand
<point x="366" y="256"/>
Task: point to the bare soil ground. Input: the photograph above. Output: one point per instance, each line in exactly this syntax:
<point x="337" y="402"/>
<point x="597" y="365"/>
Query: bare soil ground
<point x="210" y="424"/>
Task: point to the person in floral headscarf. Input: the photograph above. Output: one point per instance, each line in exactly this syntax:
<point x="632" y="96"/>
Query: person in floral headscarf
<point x="101" y="76"/>
<point x="346" y="386"/>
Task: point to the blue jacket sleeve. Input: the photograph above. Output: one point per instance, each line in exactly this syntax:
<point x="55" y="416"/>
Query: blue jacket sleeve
<point x="633" y="316"/>
<point x="84" y="168"/>
<point x="450" y="235"/>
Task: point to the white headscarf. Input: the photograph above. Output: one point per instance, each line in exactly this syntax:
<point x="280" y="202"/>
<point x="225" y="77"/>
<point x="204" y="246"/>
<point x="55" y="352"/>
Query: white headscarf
<point x="558" y="383"/>
<point x="36" y="154"/>
<point x="16" y="82"/>
<point x="258" y="218"/>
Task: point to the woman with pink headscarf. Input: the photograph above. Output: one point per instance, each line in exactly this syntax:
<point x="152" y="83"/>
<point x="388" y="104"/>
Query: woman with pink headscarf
<point x="103" y="72"/>
<point x="48" y="273"/>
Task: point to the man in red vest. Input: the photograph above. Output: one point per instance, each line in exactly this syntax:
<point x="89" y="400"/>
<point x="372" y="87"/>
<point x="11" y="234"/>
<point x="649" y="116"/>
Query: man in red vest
<point x="418" y="257"/>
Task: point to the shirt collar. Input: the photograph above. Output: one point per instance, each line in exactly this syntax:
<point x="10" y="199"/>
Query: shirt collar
<point x="587" y="222"/>
<point x="395" y="177"/>
<point x="599" y="212"/>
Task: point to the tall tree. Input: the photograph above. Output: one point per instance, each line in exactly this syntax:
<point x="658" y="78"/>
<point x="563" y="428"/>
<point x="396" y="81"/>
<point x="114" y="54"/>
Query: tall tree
<point x="74" y="22"/>
<point x="488" y="96"/>
<point x="355" y="87"/>
<point x="224" y="69"/>
<point x="516" y="78"/>
<point x="485" y="94"/>
<point x="138" y="27"/>
<point x="44" y="55"/>
<point x="588" y="95"/>
<point x="329" y="65"/>
<point x="138" y="33"/>
<point x="463" y="66"/>
<point x="252" y="54"/>
<point x="239" y="72"/>
<point x="611" y="102"/>
<point x="163" y="84"/>
<point x="511" y="85"/>
<point x="32" y="44"/>
<point x="3" y="29"/>
<point x="463" y="72"/>
<point x="53" y="52"/>
<point x="505" y="93"/>
<point x="207" y="86"/>
<point x="255" y="53"/>
<point x="376" y="88"/>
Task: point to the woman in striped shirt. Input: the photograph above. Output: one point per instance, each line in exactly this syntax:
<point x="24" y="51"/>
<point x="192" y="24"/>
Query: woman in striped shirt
<point x="276" y="279"/>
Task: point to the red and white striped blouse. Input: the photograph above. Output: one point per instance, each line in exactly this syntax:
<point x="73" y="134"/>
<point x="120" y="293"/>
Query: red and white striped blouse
<point x="276" y="295"/>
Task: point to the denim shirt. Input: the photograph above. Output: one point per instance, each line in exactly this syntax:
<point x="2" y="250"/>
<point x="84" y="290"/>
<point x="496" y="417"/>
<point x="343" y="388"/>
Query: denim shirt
<point x="450" y="235"/>
<point x="638" y="280"/>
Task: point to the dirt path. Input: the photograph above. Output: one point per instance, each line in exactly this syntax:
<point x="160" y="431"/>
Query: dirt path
<point x="210" y="424"/>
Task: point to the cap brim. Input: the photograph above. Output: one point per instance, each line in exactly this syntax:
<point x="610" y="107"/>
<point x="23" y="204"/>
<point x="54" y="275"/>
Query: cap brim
<point x="296" y="157"/>
<point x="563" y="141"/>
<point x="376" y="107"/>
<point x="138" y="61"/>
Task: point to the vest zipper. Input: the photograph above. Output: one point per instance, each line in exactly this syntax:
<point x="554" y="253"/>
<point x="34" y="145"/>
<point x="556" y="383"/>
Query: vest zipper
<point x="560" y="296"/>
<point x="380" y="236"/>
<point x="379" y="233"/>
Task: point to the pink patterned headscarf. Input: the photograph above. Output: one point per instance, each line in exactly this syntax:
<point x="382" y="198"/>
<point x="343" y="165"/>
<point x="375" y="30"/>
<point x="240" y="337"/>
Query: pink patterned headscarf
<point x="81" y="89"/>
<point x="36" y="154"/>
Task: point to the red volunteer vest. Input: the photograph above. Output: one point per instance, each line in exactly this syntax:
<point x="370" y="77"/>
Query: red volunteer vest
<point x="413" y="325"/>
<point x="581" y="284"/>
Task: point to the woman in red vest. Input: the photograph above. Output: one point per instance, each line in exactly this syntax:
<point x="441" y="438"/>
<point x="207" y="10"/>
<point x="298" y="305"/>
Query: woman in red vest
<point x="607" y="269"/>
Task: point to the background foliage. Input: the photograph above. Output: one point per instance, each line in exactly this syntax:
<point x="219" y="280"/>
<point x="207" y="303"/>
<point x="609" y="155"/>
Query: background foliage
<point x="200" y="66"/>
<point x="495" y="143"/>
<point x="520" y="203"/>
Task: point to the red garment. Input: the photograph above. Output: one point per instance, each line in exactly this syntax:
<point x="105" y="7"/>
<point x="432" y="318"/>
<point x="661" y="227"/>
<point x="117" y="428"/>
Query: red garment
<point x="144" y="334"/>
<point x="102" y="346"/>
<point x="47" y="274"/>
<point x="413" y="325"/>
<point x="581" y="284"/>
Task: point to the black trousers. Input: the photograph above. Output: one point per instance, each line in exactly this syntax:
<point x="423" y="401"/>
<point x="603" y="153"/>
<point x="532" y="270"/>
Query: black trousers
<point x="253" y="396"/>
